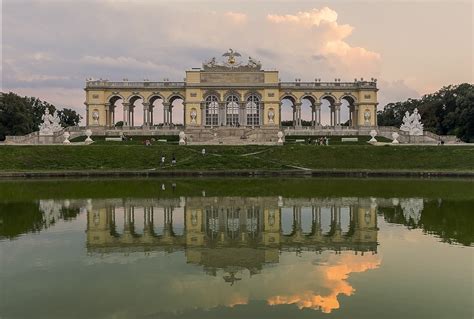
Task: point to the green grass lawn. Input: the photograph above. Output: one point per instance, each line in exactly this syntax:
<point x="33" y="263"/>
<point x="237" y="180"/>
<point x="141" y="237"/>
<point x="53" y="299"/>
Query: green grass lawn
<point x="113" y="156"/>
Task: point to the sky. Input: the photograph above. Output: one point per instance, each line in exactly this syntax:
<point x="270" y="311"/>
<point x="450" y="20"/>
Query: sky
<point x="49" y="47"/>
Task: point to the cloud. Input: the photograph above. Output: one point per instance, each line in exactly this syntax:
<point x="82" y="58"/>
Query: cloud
<point x="311" y="18"/>
<point x="236" y="17"/>
<point x="395" y="91"/>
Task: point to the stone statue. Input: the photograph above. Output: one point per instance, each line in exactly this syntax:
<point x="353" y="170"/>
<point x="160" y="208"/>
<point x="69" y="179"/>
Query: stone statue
<point x="182" y="138"/>
<point x="271" y="116"/>
<point x="193" y="116"/>
<point x="254" y="63"/>
<point x="367" y="117"/>
<point x="88" y="139"/>
<point x="51" y="123"/>
<point x="417" y="127"/>
<point x="66" y="136"/>
<point x="406" y="122"/>
<point x="95" y="117"/>
<point x="231" y="56"/>
<point x="280" y="138"/>
<point x="211" y="63"/>
<point x="373" y="134"/>
<point x="412" y="123"/>
<point x="395" y="137"/>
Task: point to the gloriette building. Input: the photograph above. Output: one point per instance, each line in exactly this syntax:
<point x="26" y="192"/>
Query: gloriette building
<point x="231" y="98"/>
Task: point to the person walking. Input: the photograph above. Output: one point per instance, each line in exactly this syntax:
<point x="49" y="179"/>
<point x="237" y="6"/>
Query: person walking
<point x="163" y="158"/>
<point x="173" y="161"/>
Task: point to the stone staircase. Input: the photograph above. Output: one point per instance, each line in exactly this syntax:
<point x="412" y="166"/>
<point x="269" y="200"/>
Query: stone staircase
<point x="232" y="136"/>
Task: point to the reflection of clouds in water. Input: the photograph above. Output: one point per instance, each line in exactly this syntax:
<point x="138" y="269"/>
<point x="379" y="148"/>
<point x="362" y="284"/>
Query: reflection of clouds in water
<point x="330" y="276"/>
<point x="295" y="280"/>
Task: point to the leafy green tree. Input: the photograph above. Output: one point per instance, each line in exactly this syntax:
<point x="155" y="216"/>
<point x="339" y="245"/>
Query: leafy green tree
<point x="69" y="117"/>
<point x="15" y="116"/>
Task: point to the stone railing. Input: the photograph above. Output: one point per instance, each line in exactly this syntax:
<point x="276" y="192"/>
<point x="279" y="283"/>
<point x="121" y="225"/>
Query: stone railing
<point x="133" y="84"/>
<point x="284" y="85"/>
<point x="331" y="85"/>
<point x="21" y="138"/>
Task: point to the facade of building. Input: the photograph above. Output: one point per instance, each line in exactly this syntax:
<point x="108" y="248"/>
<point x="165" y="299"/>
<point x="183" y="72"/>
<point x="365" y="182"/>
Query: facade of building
<point x="230" y="94"/>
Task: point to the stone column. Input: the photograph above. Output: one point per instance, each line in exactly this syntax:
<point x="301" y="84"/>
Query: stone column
<point x="87" y="114"/>
<point x="150" y="114"/>
<point x="298" y="114"/>
<point x="262" y="114"/>
<point x="279" y="113"/>
<point x="355" y="118"/>
<point x="317" y="114"/>
<point x="184" y="114"/>
<point x="337" y="117"/>
<point x="221" y="115"/>
<point x="125" y="113"/>
<point x="146" y="120"/>
<point x="203" y="114"/>
<point x="166" y="107"/>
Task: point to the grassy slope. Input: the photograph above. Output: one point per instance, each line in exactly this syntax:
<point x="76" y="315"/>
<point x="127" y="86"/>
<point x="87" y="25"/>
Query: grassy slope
<point x="126" y="157"/>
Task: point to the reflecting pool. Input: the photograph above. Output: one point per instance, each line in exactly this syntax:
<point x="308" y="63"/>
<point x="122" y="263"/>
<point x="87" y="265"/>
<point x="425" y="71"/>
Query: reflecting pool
<point x="238" y="248"/>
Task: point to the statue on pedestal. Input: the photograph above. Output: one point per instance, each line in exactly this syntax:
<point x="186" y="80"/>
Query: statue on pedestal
<point x="51" y="123"/>
<point x="412" y="123"/>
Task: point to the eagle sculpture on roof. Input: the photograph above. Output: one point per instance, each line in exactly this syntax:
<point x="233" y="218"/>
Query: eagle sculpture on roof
<point x="231" y="54"/>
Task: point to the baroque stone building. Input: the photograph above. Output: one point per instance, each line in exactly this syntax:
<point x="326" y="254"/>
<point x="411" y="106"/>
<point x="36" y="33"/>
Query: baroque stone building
<point x="230" y="94"/>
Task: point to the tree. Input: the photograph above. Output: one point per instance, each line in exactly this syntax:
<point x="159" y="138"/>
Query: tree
<point x="69" y="117"/>
<point x="15" y="116"/>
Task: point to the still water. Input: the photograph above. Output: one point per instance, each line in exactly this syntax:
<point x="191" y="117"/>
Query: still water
<point x="240" y="248"/>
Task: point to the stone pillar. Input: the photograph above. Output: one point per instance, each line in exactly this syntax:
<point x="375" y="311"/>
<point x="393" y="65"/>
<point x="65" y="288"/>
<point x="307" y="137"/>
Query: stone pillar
<point x="317" y="114"/>
<point x="170" y="114"/>
<point x="262" y="114"/>
<point x="242" y="114"/>
<point x="203" y="114"/>
<point x="355" y="118"/>
<point x="331" y="115"/>
<point x="221" y="115"/>
<point x="125" y="113"/>
<point x="279" y="113"/>
<point x="150" y="114"/>
<point x="146" y="120"/>
<point x="184" y="114"/>
<point x="166" y="107"/>
<point x="298" y="114"/>
<point x="87" y="114"/>
<point x="337" y="117"/>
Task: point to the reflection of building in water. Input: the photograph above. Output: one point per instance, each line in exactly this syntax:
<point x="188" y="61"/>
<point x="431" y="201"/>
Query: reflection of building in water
<point x="232" y="233"/>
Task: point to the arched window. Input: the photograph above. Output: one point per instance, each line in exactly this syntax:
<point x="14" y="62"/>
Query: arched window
<point x="212" y="110"/>
<point x="253" y="110"/>
<point x="232" y="110"/>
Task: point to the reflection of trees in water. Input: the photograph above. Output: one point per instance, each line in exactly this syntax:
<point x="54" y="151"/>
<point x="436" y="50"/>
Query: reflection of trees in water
<point x="452" y="221"/>
<point x="25" y="217"/>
